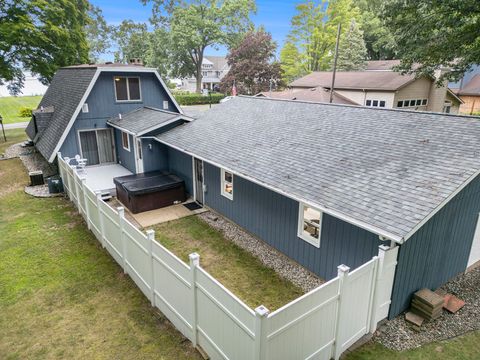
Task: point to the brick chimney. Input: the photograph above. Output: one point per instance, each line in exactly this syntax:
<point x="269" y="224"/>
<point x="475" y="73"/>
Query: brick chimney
<point x="136" y="61"/>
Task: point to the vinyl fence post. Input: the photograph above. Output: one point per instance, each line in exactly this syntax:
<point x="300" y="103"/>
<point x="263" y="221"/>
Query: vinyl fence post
<point x="100" y="218"/>
<point x="343" y="271"/>
<point x="77" y="193"/>
<point x="194" y="263"/>
<point x="261" y="314"/>
<point x="151" y="239"/>
<point x="85" y="201"/>
<point x="382" y="249"/>
<point x="123" y="240"/>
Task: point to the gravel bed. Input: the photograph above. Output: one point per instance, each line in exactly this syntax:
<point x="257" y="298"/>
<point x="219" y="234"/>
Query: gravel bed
<point x="17" y="150"/>
<point x="31" y="159"/>
<point x="398" y="335"/>
<point x="40" y="191"/>
<point x="270" y="257"/>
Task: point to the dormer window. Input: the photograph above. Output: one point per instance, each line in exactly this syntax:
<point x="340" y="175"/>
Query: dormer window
<point x="127" y="88"/>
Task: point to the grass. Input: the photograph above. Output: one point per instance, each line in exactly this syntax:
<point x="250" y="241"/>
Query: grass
<point x="234" y="267"/>
<point x="14" y="136"/>
<point x="61" y="295"/>
<point x="10" y="107"/>
<point x="464" y="347"/>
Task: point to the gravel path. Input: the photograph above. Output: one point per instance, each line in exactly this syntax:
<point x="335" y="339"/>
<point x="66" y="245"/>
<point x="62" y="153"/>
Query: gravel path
<point x="270" y="257"/>
<point x="31" y="159"/>
<point x="40" y="191"/>
<point x="397" y="334"/>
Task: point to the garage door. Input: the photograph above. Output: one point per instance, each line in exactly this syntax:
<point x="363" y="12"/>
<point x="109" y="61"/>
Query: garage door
<point x="475" y="251"/>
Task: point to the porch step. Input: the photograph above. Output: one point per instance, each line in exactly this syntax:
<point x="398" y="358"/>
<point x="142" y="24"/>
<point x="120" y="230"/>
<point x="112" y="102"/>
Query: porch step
<point x="106" y="196"/>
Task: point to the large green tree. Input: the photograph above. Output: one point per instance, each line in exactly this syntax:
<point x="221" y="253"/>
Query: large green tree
<point x="352" y="51"/>
<point x="132" y="41"/>
<point x="195" y="25"/>
<point x="40" y="36"/>
<point x="313" y="33"/>
<point x="431" y="34"/>
<point x="291" y="62"/>
<point x="252" y="64"/>
<point x="98" y="34"/>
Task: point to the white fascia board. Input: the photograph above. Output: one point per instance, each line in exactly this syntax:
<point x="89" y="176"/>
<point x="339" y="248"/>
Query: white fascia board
<point x="121" y="129"/>
<point x="159" y="126"/>
<point x="74" y="116"/>
<point x="334" y="213"/>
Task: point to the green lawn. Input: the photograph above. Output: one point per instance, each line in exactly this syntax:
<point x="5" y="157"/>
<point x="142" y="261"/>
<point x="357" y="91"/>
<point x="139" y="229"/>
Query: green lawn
<point x="10" y="107"/>
<point x="61" y="295"/>
<point x="466" y="347"/>
<point x="235" y="268"/>
<point x="14" y="136"/>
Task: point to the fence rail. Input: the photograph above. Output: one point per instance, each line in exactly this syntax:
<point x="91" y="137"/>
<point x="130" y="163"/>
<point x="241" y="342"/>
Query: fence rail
<point x="318" y="325"/>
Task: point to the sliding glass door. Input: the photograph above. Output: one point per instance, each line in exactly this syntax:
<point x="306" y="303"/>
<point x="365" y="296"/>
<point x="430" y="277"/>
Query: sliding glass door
<point x="97" y="146"/>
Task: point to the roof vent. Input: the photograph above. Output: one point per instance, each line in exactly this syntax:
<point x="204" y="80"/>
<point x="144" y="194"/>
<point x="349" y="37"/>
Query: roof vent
<point x="120" y="116"/>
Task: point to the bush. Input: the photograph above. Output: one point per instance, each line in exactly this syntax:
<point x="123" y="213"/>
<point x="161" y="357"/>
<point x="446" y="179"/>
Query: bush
<point x="25" y="112"/>
<point x="198" y="99"/>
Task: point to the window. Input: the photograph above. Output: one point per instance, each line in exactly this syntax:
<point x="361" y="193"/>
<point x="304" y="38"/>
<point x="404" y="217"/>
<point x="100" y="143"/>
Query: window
<point x="424" y="102"/>
<point x="126" y="141"/>
<point x="447" y="107"/>
<point x="418" y="102"/>
<point x="226" y="184"/>
<point x="139" y="149"/>
<point x="382" y="103"/>
<point x="368" y="103"/>
<point x="309" y="224"/>
<point x="412" y="103"/>
<point x="375" y="103"/>
<point x="400" y="104"/>
<point x="127" y="88"/>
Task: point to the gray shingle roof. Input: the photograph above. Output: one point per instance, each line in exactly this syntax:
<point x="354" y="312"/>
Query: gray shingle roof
<point x="388" y="169"/>
<point x="144" y="119"/>
<point x="64" y="93"/>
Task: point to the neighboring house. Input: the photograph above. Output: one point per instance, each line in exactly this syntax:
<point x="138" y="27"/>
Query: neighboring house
<point x="468" y="89"/>
<point x="318" y="94"/>
<point x="79" y="114"/>
<point x="379" y="86"/>
<point x="31" y="86"/>
<point x="214" y="68"/>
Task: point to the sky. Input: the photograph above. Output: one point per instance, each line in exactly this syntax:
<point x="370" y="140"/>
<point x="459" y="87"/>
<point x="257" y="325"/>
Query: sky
<point x="274" y="15"/>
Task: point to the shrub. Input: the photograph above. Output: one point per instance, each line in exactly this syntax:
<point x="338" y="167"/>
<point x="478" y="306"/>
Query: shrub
<point x="25" y="112"/>
<point x="198" y="99"/>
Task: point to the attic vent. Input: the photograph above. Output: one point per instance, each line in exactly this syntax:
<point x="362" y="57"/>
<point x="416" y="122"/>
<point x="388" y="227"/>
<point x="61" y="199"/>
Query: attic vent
<point x="165" y="105"/>
<point x="85" y="108"/>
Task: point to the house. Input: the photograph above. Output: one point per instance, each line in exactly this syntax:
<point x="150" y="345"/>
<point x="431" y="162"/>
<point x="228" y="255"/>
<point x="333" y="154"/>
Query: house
<point x="31" y="86"/>
<point x="101" y="112"/>
<point x="318" y="94"/>
<point x="327" y="184"/>
<point x="214" y="68"/>
<point x="380" y="86"/>
<point x="468" y="89"/>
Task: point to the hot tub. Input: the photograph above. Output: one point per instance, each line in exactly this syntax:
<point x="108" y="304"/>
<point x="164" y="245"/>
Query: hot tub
<point x="149" y="191"/>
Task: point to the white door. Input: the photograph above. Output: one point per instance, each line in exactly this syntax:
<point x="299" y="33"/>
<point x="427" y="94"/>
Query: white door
<point x="475" y="251"/>
<point x="139" y="155"/>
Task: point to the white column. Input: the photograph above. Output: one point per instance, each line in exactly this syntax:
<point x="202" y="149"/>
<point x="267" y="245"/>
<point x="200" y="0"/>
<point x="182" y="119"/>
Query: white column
<point x="123" y="240"/>
<point x="343" y="271"/>
<point x="382" y="249"/>
<point x="151" y="239"/>
<point x="261" y="316"/>
<point x="194" y="263"/>
<point x="100" y="218"/>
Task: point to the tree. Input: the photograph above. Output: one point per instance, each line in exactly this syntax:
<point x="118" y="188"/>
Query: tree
<point x="291" y="63"/>
<point x="40" y="36"/>
<point x="98" y="33"/>
<point x="352" y="51"/>
<point x="434" y="34"/>
<point x="252" y="64"/>
<point x="132" y="40"/>
<point x="378" y="38"/>
<point x="198" y="24"/>
<point x="314" y="29"/>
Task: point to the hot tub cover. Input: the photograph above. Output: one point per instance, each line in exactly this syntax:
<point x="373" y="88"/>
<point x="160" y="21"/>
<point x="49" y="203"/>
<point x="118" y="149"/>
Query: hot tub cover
<point x="146" y="183"/>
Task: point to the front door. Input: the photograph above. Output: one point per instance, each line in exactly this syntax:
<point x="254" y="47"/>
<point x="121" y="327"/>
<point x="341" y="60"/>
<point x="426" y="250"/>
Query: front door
<point x="475" y="250"/>
<point x="198" y="166"/>
<point x="139" y="155"/>
<point x="97" y="146"/>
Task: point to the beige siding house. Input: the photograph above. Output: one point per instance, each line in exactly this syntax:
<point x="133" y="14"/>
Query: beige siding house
<point x="380" y="86"/>
<point x="214" y="68"/>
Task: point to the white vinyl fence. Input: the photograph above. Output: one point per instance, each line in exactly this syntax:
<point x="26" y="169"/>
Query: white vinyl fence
<point x="318" y="325"/>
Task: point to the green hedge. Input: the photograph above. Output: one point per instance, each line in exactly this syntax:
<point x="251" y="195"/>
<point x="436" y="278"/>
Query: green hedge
<point x="25" y="112"/>
<point x="198" y="99"/>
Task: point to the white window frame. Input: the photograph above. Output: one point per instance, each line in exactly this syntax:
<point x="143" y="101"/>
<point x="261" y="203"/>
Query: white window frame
<point x="310" y="239"/>
<point x="128" y="148"/>
<point x="223" y="182"/>
<point x="128" y="88"/>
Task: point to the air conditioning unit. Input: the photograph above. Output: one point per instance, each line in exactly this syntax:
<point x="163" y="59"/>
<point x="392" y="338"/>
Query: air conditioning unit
<point x="36" y="178"/>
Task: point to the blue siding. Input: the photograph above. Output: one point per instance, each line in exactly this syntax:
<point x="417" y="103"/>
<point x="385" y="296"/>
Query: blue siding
<point x="155" y="158"/>
<point x="439" y="250"/>
<point x="124" y="157"/>
<point x="274" y="219"/>
<point x="180" y="164"/>
<point x="102" y="106"/>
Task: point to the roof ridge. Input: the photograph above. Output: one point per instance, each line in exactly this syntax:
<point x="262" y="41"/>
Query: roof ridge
<point x="365" y="107"/>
